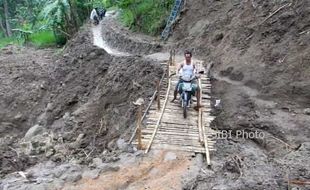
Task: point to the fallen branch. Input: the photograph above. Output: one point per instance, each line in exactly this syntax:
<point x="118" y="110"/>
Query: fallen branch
<point x="304" y="32"/>
<point x="23" y="174"/>
<point x="101" y="126"/>
<point x="254" y="5"/>
<point x="63" y="32"/>
<point x="299" y="182"/>
<point x="282" y="60"/>
<point x="279" y="9"/>
<point x="238" y="162"/>
<point x="286" y="144"/>
<point x="14" y="150"/>
<point x="204" y="171"/>
<point x="87" y="155"/>
<point x="249" y="37"/>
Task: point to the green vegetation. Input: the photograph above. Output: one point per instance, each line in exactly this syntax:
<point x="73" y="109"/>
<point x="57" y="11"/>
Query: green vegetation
<point x="42" y="22"/>
<point x="6" y="41"/>
<point x="39" y="39"/>
<point x="148" y="16"/>
<point x="49" y="22"/>
<point x="42" y="39"/>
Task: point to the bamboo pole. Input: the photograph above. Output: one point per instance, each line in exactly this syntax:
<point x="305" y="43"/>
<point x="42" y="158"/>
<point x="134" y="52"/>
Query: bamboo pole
<point x="158" y="95"/>
<point x="206" y="144"/>
<point x="161" y="114"/>
<point x="173" y="57"/>
<point x="147" y="109"/>
<point x="205" y="140"/>
<point x="140" y="146"/>
<point x="170" y="57"/>
<point x="200" y="115"/>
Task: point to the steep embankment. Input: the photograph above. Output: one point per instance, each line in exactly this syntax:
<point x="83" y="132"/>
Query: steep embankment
<point x="76" y="105"/>
<point x="266" y="53"/>
<point x="262" y="75"/>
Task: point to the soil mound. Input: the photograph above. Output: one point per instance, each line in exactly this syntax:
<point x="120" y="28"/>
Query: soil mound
<point x="74" y="104"/>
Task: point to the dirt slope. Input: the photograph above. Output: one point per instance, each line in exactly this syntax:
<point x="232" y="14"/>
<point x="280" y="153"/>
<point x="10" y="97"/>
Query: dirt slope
<point x="267" y="55"/>
<point x="261" y="74"/>
<point x="82" y="100"/>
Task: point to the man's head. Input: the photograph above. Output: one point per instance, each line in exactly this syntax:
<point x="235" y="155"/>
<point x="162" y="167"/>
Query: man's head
<point x="188" y="55"/>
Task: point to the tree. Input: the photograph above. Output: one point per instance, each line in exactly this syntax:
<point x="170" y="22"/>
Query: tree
<point x="6" y="16"/>
<point x="57" y="13"/>
<point x="64" y="16"/>
<point x="2" y="27"/>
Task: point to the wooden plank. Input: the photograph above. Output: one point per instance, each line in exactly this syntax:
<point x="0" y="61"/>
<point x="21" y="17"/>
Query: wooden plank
<point x="189" y="132"/>
<point x="186" y="131"/>
<point x="174" y="126"/>
<point x="177" y="112"/>
<point x="196" y="135"/>
<point x="176" y="108"/>
<point x="173" y="121"/>
<point x="179" y="148"/>
<point x="179" y="140"/>
<point x="171" y="136"/>
<point x="174" y="116"/>
<point x="178" y="143"/>
<point x="167" y="122"/>
<point x="206" y="97"/>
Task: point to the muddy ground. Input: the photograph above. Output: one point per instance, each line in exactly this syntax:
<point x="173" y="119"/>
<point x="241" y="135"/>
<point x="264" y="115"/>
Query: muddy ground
<point x="78" y="103"/>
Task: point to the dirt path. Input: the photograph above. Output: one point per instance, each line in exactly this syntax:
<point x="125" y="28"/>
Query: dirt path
<point x="159" y="170"/>
<point x="170" y="169"/>
<point x="99" y="42"/>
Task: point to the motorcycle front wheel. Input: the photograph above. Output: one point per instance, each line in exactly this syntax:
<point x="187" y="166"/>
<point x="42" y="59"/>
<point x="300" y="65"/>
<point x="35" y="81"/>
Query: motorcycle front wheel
<point x="184" y="112"/>
<point x="185" y="102"/>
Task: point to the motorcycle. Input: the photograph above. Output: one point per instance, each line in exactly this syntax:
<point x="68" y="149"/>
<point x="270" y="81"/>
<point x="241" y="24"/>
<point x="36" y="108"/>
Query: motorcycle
<point x="96" y="21"/>
<point x="186" y="92"/>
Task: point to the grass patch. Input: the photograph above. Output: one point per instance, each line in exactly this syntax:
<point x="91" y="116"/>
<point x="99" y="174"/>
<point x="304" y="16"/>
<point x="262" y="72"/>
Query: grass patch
<point x="113" y="8"/>
<point x="39" y="39"/>
<point x="43" y="39"/>
<point x="5" y="41"/>
<point x="147" y="16"/>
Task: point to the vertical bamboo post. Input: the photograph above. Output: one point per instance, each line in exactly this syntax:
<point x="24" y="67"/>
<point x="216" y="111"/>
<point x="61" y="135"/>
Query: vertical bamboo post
<point x="173" y="58"/>
<point x="168" y="65"/>
<point x="170" y="57"/>
<point x="158" y="95"/>
<point x="139" y="114"/>
<point x="201" y="139"/>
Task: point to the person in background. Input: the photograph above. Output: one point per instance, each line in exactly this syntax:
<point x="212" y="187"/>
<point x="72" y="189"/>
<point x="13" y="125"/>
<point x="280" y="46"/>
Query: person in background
<point x="94" y="16"/>
<point x="101" y="13"/>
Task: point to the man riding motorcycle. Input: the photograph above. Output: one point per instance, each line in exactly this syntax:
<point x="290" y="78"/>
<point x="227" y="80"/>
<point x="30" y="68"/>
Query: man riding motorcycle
<point x="187" y="69"/>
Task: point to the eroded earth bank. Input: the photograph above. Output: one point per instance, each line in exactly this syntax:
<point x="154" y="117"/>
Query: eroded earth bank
<point x="66" y="114"/>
